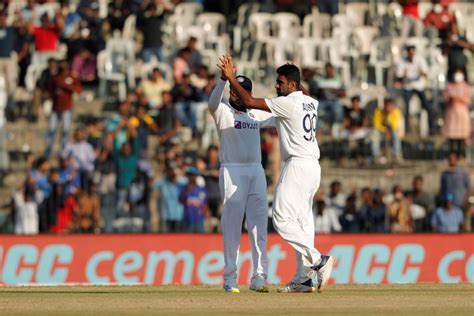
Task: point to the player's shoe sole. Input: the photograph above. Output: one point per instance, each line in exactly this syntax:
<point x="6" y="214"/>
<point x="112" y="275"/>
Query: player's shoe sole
<point x="260" y="289"/>
<point x="324" y="273"/>
<point x="306" y="287"/>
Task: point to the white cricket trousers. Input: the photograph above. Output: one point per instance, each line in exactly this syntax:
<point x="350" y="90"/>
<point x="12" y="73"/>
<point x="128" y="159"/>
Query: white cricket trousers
<point x="293" y="211"/>
<point x="244" y="190"/>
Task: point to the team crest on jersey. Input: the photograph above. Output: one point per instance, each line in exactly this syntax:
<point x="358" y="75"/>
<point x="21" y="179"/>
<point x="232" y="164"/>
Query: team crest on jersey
<point x="251" y="115"/>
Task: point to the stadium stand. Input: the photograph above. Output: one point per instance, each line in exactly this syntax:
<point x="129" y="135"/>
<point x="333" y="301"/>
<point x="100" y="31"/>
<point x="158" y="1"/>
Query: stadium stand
<point x="132" y="80"/>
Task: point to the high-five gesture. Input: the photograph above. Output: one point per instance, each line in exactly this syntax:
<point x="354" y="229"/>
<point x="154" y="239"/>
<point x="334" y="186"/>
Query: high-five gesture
<point x="226" y="66"/>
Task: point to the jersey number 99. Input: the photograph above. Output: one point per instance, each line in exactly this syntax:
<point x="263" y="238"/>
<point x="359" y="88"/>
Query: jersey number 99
<point x="309" y="126"/>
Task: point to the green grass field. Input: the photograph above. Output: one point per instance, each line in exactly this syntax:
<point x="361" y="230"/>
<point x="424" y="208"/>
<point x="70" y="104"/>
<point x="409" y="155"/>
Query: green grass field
<point x="419" y="299"/>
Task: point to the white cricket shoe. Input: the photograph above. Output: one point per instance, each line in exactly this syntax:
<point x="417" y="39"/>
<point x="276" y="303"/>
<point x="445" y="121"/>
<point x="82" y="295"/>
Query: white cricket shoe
<point x="292" y="287"/>
<point x="231" y="289"/>
<point x="323" y="271"/>
<point x="258" y="284"/>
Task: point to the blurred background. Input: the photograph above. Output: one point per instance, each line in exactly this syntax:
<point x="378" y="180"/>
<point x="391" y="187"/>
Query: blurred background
<point x="104" y="126"/>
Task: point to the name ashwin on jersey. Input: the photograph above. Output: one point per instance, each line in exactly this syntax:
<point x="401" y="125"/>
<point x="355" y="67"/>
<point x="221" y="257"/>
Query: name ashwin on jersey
<point x="309" y="107"/>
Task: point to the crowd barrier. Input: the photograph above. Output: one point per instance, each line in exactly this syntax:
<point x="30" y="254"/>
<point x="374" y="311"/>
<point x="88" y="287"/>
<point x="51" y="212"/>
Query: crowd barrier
<point x="198" y="259"/>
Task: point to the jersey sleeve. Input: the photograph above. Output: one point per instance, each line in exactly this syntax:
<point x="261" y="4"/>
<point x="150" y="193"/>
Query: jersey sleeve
<point x="216" y="95"/>
<point x="280" y="106"/>
<point x="265" y="119"/>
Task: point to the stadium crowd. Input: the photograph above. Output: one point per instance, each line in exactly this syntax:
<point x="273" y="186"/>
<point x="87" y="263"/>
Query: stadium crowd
<point x="154" y="145"/>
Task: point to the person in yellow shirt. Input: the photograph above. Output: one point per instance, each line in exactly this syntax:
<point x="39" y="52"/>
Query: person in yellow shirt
<point x="387" y="123"/>
<point x="144" y="124"/>
<point x="153" y="88"/>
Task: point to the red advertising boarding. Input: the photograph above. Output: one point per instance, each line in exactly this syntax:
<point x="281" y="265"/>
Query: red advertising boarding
<point x="198" y="259"/>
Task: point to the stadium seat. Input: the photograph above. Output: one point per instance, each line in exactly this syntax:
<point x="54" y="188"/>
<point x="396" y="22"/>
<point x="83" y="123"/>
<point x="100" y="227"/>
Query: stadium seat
<point x="424" y="8"/>
<point x="357" y="12"/>
<point x="317" y="25"/>
<point x="129" y="27"/>
<point x="107" y="74"/>
<point x="310" y="53"/>
<point x="240" y="31"/>
<point x="380" y="59"/>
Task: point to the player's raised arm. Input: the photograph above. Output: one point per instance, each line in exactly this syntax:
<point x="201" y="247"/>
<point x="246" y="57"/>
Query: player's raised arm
<point x="227" y="67"/>
<point x="216" y="95"/>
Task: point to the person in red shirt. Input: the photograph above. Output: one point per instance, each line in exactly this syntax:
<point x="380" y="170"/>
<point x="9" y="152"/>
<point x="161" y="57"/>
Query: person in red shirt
<point x="440" y="18"/>
<point x="61" y="88"/>
<point x="410" y="8"/>
<point x="47" y="35"/>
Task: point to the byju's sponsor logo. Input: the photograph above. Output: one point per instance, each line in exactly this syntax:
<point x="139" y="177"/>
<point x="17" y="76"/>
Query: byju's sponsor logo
<point x="245" y="125"/>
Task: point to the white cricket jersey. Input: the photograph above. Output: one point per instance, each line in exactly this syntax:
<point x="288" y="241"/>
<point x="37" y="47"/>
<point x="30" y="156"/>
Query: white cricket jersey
<point x="296" y="118"/>
<point x="239" y="132"/>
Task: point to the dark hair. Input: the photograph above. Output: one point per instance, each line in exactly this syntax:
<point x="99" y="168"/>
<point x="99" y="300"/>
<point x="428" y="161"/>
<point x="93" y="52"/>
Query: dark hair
<point x="291" y="72"/>
<point x="418" y="178"/>
<point x="40" y="161"/>
<point x="387" y="100"/>
<point x="356" y="97"/>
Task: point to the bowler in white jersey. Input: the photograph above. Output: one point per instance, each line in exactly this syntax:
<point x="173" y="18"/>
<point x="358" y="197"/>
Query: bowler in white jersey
<point x="242" y="182"/>
<point x="296" y="117"/>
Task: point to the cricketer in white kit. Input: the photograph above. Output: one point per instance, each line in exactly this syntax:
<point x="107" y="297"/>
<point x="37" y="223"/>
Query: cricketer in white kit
<point x="296" y="117"/>
<point x="242" y="182"/>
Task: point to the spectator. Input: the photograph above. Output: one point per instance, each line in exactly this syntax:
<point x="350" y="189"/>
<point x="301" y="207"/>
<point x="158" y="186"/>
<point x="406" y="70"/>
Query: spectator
<point x="410" y="8"/>
<point x="455" y="181"/>
<point x="61" y="88"/>
<point x="46" y="37"/>
<point x="144" y="124"/>
<point x="355" y="120"/>
<point x="68" y="175"/>
<point x="119" y="122"/>
<point x="211" y="176"/>
<point x="4" y="158"/>
<point x="335" y="198"/>
<point x="180" y="65"/>
<point x="457" y="121"/>
<point x="440" y="18"/>
<point x="330" y="7"/>
<point x="457" y="46"/>
<point x="350" y="219"/>
<point x="422" y="205"/>
<point x="41" y="92"/>
<point x="329" y="88"/>
<point x="399" y="213"/>
<point x="194" y="200"/>
<point x="387" y="123"/>
<point x="168" y="123"/>
<point x="64" y="218"/>
<point x="411" y="24"/>
<point x="448" y="218"/>
<point x="171" y="210"/>
<point x="48" y="209"/>
<point x="26" y="209"/>
<point x="8" y="64"/>
<point x="355" y="130"/>
<point x="139" y="197"/>
<point x="107" y="179"/>
<point x="185" y="97"/>
<point x="150" y="24"/>
<point x="39" y="175"/>
<point x="127" y="165"/>
<point x="325" y="217"/>
<point x="412" y="72"/>
<point x="83" y="155"/>
<point x="153" y="89"/>
<point x="86" y="216"/>
<point x="373" y="217"/>
<point x="195" y="58"/>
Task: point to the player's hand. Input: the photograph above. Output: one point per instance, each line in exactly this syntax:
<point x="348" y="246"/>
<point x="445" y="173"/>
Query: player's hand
<point x="226" y="66"/>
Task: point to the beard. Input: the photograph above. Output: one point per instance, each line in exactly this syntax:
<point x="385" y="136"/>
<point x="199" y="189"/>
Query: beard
<point x="237" y="105"/>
